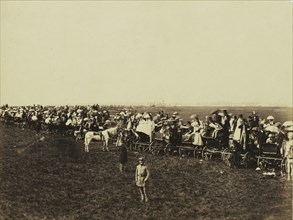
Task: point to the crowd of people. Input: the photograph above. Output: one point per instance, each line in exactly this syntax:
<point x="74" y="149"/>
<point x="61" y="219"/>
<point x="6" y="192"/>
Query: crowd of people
<point x="219" y="125"/>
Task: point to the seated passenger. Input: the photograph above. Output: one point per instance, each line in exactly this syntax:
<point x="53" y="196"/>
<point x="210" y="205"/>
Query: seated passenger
<point x="218" y="128"/>
<point x="270" y="139"/>
<point x="188" y="135"/>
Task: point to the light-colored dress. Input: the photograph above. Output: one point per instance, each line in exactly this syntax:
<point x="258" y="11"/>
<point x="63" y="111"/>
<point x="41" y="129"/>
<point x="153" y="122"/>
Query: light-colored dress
<point x="238" y="131"/>
<point x="197" y="139"/>
<point x="141" y="175"/>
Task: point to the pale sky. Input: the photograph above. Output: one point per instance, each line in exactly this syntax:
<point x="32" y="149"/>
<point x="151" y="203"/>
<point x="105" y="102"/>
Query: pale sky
<point x="184" y="53"/>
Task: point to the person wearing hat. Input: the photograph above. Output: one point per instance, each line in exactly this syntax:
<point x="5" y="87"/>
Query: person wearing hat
<point x="270" y="121"/>
<point x="253" y="120"/>
<point x="270" y="139"/>
<point x="142" y="175"/>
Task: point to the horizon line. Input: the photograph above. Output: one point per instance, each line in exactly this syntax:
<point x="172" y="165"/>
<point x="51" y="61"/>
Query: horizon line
<point x="159" y="105"/>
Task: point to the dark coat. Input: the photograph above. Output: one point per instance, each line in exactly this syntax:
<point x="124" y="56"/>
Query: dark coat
<point x="122" y="154"/>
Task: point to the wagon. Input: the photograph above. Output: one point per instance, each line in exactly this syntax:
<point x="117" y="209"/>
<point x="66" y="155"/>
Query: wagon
<point x="187" y="148"/>
<point x="142" y="143"/>
<point x="269" y="156"/>
<point x="270" y="152"/>
<point x="212" y="148"/>
<point x="237" y="154"/>
<point x="159" y="145"/>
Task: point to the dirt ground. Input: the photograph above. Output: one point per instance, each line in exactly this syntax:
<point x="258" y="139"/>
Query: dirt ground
<point x="52" y="178"/>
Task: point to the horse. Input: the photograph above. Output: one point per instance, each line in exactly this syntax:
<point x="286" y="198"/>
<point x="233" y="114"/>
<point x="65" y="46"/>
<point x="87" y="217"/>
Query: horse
<point x="103" y="136"/>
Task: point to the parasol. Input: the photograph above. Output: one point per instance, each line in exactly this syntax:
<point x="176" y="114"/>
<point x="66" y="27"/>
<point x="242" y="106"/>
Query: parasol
<point x="272" y="128"/>
<point x="287" y="124"/>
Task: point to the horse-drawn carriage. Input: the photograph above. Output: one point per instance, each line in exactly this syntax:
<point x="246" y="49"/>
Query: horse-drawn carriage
<point x="156" y="143"/>
<point x="141" y="143"/>
<point x="259" y="147"/>
<point x="154" y="139"/>
<point x="159" y="145"/>
<point x="270" y="155"/>
<point x="187" y="146"/>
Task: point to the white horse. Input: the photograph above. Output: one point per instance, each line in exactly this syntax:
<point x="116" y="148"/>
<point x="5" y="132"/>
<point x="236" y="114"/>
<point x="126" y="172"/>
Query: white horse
<point x="103" y="136"/>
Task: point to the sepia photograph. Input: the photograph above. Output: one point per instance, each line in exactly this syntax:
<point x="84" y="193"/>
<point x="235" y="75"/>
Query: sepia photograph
<point x="153" y="110"/>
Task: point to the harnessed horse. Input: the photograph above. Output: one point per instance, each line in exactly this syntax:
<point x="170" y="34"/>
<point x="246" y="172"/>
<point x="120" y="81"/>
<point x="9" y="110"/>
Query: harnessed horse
<point x="103" y="136"/>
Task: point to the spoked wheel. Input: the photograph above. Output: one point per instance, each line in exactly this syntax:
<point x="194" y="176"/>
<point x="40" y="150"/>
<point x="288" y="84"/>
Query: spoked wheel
<point x="262" y="163"/>
<point x="205" y="154"/>
<point x="223" y="154"/>
<point x="225" y="157"/>
<point x="284" y="166"/>
<point x="152" y="147"/>
<point x="170" y="150"/>
<point x="146" y="147"/>
<point x="180" y="151"/>
<point x="139" y="147"/>
<point x="246" y="159"/>
<point x="184" y="152"/>
<point x="197" y="152"/>
<point x="132" y="146"/>
<point x="136" y="146"/>
<point x="167" y="150"/>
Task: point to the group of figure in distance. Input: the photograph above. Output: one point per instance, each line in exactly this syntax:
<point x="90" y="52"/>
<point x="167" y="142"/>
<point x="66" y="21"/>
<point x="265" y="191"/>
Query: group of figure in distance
<point x="264" y="139"/>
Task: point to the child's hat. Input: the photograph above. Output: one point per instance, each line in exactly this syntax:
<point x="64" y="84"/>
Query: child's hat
<point x="141" y="158"/>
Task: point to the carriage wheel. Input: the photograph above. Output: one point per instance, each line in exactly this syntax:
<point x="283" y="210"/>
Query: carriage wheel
<point x="157" y="151"/>
<point x="180" y="151"/>
<point x="199" y="152"/>
<point x="207" y="155"/>
<point x="136" y="146"/>
<point x="195" y="152"/>
<point x="258" y="162"/>
<point x="167" y="150"/>
<point x="223" y="154"/>
<point x="262" y="163"/>
<point x="203" y="152"/>
<point x="146" y="148"/>
<point x="139" y="147"/>
<point x="224" y="157"/>
<point x="160" y="149"/>
<point x="230" y="160"/>
<point x="246" y="159"/>
<point x="152" y="147"/>
<point x="77" y="138"/>
<point x="153" y="150"/>
<point x="284" y="166"/>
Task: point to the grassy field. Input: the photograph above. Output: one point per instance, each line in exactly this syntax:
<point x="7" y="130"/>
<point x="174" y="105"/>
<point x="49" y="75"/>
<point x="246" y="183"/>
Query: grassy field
<point x="53" y="178"/>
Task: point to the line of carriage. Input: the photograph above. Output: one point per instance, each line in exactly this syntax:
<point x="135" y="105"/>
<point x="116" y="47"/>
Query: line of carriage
<point x="234" y="155"/>
<point x="268" y="156"/>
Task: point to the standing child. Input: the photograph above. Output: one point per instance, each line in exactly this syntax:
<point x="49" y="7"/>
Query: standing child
<point x="141" y="176"/>
<point x="122" y="153"/>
